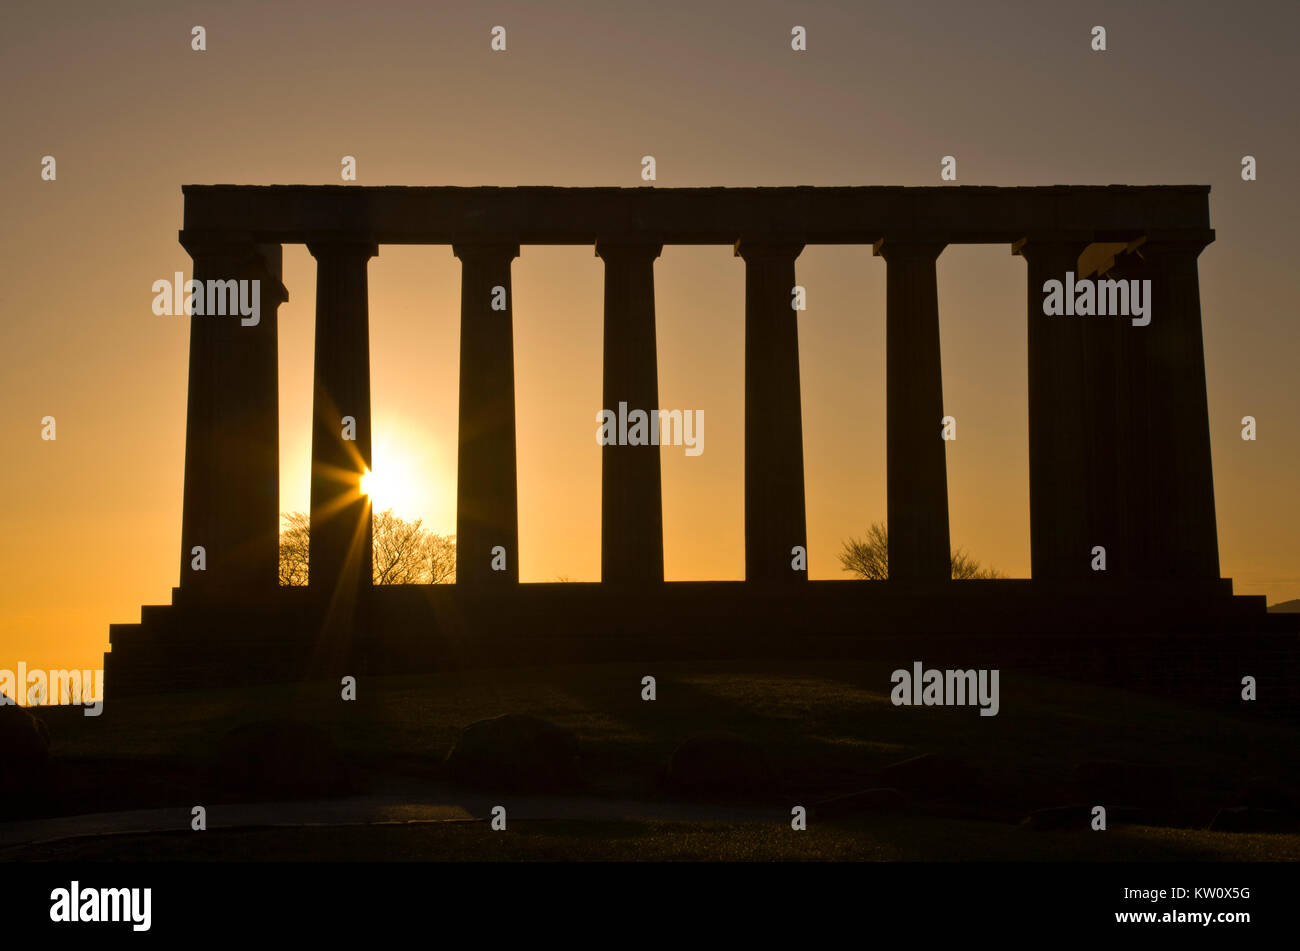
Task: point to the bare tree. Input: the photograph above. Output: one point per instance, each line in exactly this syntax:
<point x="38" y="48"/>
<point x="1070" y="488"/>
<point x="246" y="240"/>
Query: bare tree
<point x="294" y="547"/>
<point x="868" y="558"/>
<point x="440" y="558"/>
<point x="399" y="550"/>
<point x="965" y="568"/>
<point x="404" y="553"/>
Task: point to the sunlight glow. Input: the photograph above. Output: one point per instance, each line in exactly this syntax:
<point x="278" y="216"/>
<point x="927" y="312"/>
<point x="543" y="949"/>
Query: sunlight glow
<point x="393" y="482"/>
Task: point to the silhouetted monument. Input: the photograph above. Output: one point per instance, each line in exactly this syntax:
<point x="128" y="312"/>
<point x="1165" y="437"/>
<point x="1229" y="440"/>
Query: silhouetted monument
<point x="1119" y="444"/>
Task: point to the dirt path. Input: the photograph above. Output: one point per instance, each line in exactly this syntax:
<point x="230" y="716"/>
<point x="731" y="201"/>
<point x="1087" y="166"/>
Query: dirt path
<point x="447" y="806"/>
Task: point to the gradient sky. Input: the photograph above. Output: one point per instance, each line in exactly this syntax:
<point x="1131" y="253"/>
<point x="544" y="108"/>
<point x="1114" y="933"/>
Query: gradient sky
<point x="714" y="92"/>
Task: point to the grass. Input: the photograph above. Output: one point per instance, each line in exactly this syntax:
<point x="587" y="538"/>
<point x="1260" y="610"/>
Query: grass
<point x="826" y="727"/>
<point x="870" y="839"/>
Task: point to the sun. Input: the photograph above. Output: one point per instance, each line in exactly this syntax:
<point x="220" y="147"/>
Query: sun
<point x="369" y="483"/>
<point x="386" y="487"/>
<point x="391" y="483"/>
<point x="409" y="474"/>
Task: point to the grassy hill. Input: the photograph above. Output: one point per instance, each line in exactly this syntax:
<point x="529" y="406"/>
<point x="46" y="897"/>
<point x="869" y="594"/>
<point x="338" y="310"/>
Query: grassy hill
<point x="826" y="728"/>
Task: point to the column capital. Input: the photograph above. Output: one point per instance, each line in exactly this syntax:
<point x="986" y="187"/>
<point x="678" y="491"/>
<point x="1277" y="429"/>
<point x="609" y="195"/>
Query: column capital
<point x="238" y="253"/>
<point x="485" y="251"/>
<point x="625" y="247"/>
<point x="909" y="246"/>
<point x="217" y="244"/>
<point x="342" y="244"/>
<point x="1170" y="243"/>
<point x="767" y="249"/>
<point x="1123" y="263"/>
<point x="1052" y="243"/>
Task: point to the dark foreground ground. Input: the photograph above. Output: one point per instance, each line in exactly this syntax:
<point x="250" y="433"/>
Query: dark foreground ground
<point x="869" y="839"/>
<point x="1166" y="771"/>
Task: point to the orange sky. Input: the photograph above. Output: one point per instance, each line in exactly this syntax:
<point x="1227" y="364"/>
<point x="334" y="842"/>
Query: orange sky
<point x="714" y="92"/>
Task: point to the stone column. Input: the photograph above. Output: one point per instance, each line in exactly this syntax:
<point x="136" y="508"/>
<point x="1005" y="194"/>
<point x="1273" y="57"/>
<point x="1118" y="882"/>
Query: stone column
<point x="1059" y="423"/>
<point x="1103" y="343"/>
<point x="1186" y="544"/>
<point x="917" y="471"/>
<point x="631" y="520"/>
<point x="341" y="555"/>
<point x="487" y="492"/>
<point x="1131" y="483"/>
<point x="775" y="520"/>
<point x="231" y="501"/>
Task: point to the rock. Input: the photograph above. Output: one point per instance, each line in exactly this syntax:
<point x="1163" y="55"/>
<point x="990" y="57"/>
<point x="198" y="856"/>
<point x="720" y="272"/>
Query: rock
<point x="1061" y="817"/>
<point x="714" y="764"/>
<point x="517" y="752"/>
<point x="868" y="800"/>
<point x="932" y="774"/>
<point x="280" y="759"/>
<point x="1077" y="817"/>
<point x="1139" y="783"/>
<point x="24" y="739"/>
<point x="1265" y="792"/>
<point x="1253" y="819"/>
<point x="28" y="770"/>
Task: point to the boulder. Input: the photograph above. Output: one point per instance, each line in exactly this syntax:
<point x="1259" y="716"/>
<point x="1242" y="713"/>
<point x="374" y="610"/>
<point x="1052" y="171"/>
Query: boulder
<point x="1254" y="819"/>
<point x="516" y="752"/>
<point x="883" y="799"/>
<point x="719" y="764"/>
<point x="1265" y="792"/>
<point x="278" y="759"/>
<point x="24" y="739"/>
<point x="1138" y="783"/>
<point x="28" y="769"/>
<point x="1078" y="817"/>
<point x="933" y="774"/>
